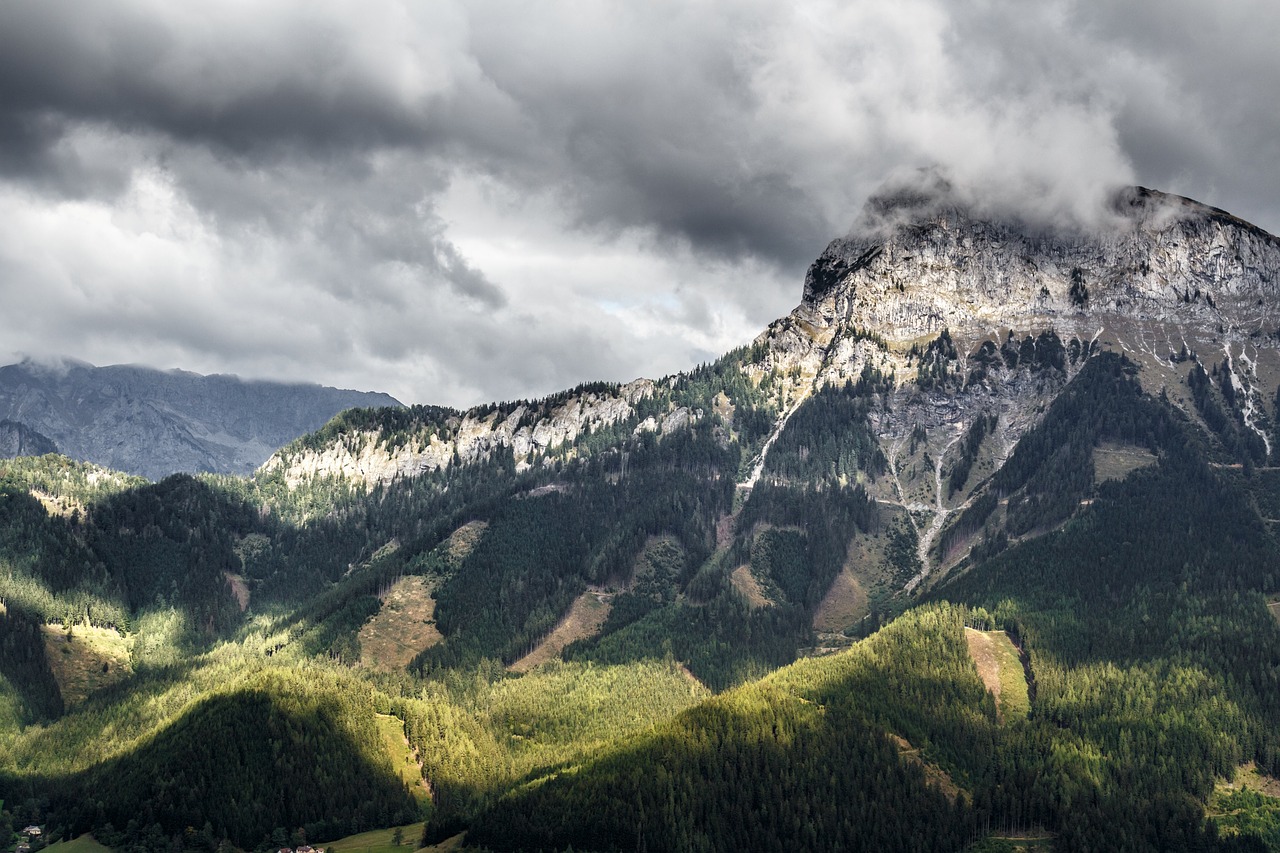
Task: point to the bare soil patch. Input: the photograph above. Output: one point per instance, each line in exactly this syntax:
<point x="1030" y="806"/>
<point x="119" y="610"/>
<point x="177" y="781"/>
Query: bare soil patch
<point x="403" y="627"/>
<point x="983" y="652"/>
<point x="747" y="584"/>
<point x="59" y="506"/>
<point x="239" y="589"/>
<point x="464" y="540"/>
<point x="844" y="604"/>
<point x="1117" y="461"/>
<point x="585" y="616"/>
<point x="86" y="659"/>
<point x="1247" y="776"/>
<point x="1000" y="668"/>
<point x="724" y="530"/>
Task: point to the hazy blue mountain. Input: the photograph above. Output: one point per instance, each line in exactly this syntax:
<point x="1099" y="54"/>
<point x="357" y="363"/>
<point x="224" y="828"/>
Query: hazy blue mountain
<point x="155" y="422"/>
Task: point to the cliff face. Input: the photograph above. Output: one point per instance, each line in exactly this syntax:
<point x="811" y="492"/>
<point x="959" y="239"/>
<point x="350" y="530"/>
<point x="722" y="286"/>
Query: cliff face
<point x="154" y="423"/>
<point x="20" y="440"/>
<point x="1163" y="259"/>
<point x="1166" y="279"/>
<point x="367" y="456"/>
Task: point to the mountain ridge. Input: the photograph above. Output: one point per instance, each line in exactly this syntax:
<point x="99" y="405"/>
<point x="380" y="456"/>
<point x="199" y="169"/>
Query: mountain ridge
<point x="1169" y="275"/>
<point x="154" y="423"/>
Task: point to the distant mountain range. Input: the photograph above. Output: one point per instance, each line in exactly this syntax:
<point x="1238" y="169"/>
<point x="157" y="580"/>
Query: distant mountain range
<point x="158" y="422"/>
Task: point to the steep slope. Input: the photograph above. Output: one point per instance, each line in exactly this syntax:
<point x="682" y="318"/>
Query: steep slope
<point x="21" y="440"/>
<point x="1167" y="280"/>
<point x="155" y="423"/>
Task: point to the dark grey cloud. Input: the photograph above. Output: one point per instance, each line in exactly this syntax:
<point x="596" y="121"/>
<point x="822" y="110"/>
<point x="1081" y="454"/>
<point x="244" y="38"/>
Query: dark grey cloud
<point x="460" y="201"/>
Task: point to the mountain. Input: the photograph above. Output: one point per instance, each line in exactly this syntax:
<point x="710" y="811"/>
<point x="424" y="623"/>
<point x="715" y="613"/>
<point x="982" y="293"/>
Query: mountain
<point x="154" y="423"/>
<point x="969" y="319"/>
<point x="20" y="440"/>
<point x="976" y="549"/>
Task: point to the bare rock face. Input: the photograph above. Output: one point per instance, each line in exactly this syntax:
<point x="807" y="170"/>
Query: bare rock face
<point x="17" y="439"/>
<point x="914" y="267"/>
<point x="1163" y="258"/>
<point x="527" y="430"/>
<point x="1164" y="275"/>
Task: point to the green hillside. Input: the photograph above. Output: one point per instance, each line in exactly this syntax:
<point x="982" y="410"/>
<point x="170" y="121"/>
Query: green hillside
<point x="238" y="707"/>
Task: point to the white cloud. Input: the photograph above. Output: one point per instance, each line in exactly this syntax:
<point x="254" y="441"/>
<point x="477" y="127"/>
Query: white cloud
<point x="455" y="202"/>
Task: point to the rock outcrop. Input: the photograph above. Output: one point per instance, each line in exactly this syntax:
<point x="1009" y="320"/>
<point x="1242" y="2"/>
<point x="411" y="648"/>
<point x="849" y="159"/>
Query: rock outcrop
<point x="17" y="439"/>
<point x="1165" y="278"/>
<point x="527" y="430"/>
<point x="917" y="265"/>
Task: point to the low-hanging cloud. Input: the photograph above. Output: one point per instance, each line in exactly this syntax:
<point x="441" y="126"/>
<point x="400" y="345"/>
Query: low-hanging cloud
<point x="455" y="202"/>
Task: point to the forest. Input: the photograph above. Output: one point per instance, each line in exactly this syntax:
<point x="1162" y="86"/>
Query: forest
<point x="184" y="664"/>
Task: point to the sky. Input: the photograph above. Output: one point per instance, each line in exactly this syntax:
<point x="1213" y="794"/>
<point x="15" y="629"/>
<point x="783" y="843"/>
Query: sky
<point x="457" y="202"/>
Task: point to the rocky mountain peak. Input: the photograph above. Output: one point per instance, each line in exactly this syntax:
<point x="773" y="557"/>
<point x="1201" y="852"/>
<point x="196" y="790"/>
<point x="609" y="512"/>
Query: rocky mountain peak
<point x="919" y="262"/>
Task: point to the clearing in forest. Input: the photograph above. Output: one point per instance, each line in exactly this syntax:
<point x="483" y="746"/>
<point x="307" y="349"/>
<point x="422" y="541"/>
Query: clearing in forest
<point x="403" y="627"/>
<point x="935" y="775"/>
<point x="239" y="590"/>
<point x="1247" y="805"/>
<point x="583" y="620"/>
<point x="82" y="844"/>
<point x="384" y="841"/>
<point x="747" y="584"/>
<point x="1247" y="776"/>
<point x="464" y="540"/>
<point x="403" y="757"/>
<point x="1000" y="667"/>
<point x="1274" y="607"/>
<point x="1117" y="461"/>
<point x="1029" y="841"/>
<point x="85" y="659"/>
<point x="844" y="604"/>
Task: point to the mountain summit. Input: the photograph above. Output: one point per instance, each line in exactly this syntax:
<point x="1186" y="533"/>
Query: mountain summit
<point x="918" y="265"/>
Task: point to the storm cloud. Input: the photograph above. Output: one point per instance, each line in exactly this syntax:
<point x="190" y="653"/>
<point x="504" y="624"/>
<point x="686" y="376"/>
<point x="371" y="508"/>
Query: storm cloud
<point x="457" y="202"/>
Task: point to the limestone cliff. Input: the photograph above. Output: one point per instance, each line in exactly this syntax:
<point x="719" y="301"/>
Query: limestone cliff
<point x="1166" y="276"/>
<point x="18" y="439"/>
<point x="372" y="454"/>
<point x="914" y="267"/>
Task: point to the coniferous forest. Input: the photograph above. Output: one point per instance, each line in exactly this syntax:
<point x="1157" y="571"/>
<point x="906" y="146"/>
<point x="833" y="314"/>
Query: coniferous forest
<point x="200" y="663"/>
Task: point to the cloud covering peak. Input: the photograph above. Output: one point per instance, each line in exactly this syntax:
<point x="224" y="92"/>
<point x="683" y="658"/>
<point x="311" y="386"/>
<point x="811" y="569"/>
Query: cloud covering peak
<point x="456" y="202"/>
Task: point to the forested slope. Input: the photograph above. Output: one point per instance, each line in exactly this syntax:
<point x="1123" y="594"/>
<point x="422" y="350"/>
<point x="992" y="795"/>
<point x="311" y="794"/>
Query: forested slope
<point x="1139" y="604"/>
